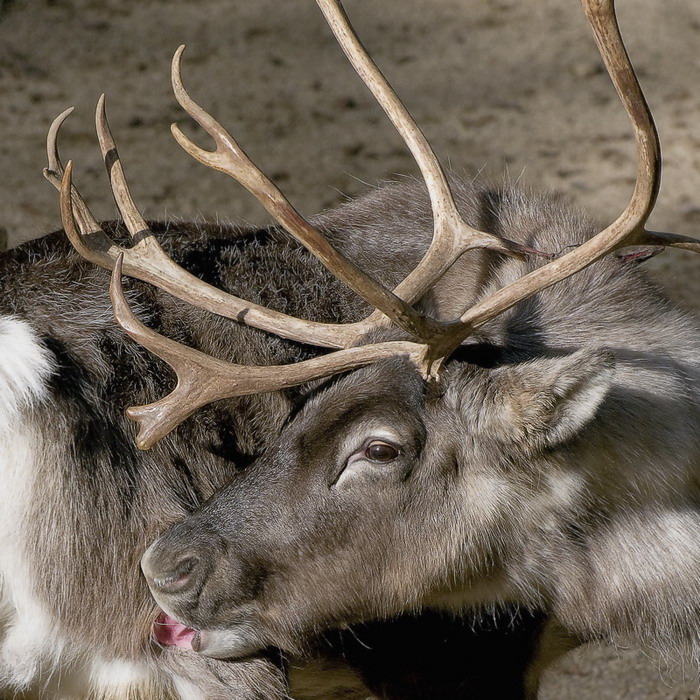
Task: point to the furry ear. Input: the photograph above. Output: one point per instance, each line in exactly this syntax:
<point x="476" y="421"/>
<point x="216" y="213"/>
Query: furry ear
<point x="546" y="401"/>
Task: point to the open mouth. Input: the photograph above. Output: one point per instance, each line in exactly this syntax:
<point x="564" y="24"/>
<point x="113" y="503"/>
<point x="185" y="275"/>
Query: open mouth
<point x="235" y="642"/>
<point x="168" y="632"/>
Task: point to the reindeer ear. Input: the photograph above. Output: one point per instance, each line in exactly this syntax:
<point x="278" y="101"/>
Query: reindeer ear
<point x="546" y="401"/>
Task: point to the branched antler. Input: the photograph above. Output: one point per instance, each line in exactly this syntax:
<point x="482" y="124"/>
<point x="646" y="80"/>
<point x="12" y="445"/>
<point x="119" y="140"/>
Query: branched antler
<point x="452" y="236"/>
<point x="147" y="261"/>
<point x="628" y="229"/>
<point x="230" y="158"/>
<point x="202" y="379"/>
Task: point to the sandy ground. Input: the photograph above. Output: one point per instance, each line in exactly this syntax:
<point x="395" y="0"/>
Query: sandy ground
<point x="503" y="88"/>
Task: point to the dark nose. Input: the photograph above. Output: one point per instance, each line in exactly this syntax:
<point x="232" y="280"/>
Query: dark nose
<point x="171" y="572"/>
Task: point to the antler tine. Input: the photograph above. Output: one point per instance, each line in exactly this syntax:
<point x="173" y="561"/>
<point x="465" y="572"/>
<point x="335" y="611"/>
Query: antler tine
<point x="78" y="221"/>
<point x="229" y="158"/>
<point x="55" y="170"/>
<point x="627" y="229"/>
<point x="202" y="379"/>
<point x="670" y="240"/>
<point x="452" y="236"/>
<point x="135" y="224"/>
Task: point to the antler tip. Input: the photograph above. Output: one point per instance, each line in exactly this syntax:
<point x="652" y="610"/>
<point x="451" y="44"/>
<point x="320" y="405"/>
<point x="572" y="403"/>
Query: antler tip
<point x="144" y="443"/>
<point x="144" y="438"/>
<point x="177" y="57"/>
<point x="176" y="77"/>
<point x="101" y="115"/>
<point x="56" y="123"/>
<point x="149" y="432"/>
<point x="64" y="114"/>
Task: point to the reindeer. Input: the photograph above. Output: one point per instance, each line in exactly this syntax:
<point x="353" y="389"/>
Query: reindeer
<point x="500" y="457"/>
<point x="540" y="448"/>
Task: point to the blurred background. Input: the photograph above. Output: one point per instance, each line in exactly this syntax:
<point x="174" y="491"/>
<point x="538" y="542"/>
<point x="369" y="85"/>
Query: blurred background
<point x="504" y="89"/>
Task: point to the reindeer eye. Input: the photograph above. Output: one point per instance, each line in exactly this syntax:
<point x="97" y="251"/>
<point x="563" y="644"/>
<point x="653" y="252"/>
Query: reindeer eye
<point x="379" y="451"/>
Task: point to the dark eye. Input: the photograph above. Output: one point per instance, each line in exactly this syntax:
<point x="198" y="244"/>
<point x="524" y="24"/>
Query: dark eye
<point x="379" y="451"/>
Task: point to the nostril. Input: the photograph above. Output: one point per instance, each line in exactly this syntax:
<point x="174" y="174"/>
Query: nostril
<point x="178" y="578"/>
<point x="166" y="574"/>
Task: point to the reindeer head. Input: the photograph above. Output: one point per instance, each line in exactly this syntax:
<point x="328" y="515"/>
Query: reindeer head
<point x="383" y="493"/>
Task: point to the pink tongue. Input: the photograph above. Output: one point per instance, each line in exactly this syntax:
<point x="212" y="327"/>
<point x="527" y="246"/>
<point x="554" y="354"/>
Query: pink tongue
<point x="171" y="633"/>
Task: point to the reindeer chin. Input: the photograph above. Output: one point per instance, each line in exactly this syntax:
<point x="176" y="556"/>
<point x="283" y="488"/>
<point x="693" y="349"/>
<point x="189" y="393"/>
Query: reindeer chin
<point x="237" y="642"/>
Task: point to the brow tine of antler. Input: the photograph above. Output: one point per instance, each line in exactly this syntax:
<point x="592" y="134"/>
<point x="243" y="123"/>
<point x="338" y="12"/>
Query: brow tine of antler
<point x="452" y="235"/>
<point x="229" y="158"/>
<point x="627" y="229"/>
<point x="202" y="379"/>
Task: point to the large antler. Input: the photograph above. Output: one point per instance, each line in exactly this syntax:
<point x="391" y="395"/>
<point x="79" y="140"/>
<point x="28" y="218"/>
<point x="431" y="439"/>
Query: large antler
<point x="202" y="379"/>
<point x="146" y="260"/>
<point x="628" y="229"/>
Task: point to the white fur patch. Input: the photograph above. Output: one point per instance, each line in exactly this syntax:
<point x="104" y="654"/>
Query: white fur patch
<point x="186" y="690"/>
<point x="27" y="642"/>
<point x="113" y="676"/>
<point x="25" y="365"/>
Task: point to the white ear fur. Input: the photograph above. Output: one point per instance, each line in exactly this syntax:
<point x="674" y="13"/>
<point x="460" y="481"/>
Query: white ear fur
<point x="546" y="401"/>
